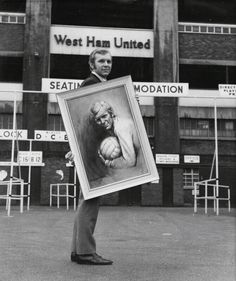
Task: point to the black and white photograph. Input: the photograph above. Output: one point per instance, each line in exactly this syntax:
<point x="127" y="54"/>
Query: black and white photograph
<point x="118" y="140"/>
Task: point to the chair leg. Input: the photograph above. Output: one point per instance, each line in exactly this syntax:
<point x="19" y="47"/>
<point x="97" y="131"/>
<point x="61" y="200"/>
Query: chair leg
<point x="229" y="205"/>
<point x="7" y="198"/>
<point x="28" y="196"/>
<point x="67" y="197"/>
<point x="58" y="194"/>
<point x="50" y="196"/>
<point x="21" y="196"/>
<point x="74" y="197"/>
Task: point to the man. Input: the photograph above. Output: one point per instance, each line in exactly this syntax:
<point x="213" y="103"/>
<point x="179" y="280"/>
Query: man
<point x="121" y="128"/>
<point x="83" y="249"/>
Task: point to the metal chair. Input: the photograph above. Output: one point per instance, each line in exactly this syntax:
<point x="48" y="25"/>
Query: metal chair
<point x="211" y="190"/>
<point x="62" y="190"/>
<point x="8" y="195"/>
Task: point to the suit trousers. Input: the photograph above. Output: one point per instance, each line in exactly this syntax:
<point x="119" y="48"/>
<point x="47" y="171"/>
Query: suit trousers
<point x="83" y="241"/>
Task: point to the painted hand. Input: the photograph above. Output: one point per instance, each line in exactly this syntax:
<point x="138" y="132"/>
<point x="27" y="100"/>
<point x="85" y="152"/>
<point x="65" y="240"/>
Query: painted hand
<point x="107" y="163"/>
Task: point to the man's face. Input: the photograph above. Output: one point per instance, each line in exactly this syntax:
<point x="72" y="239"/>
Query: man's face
<point x="105" y="120"/>
<point x="102" y="64"/>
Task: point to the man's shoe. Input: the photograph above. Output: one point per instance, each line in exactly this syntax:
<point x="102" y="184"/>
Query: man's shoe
<point x="93" y="259"/>
<point x="74" y="257"/>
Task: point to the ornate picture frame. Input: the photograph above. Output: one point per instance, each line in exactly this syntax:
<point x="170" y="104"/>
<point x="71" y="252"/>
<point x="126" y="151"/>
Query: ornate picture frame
<point x="107" y="137"/>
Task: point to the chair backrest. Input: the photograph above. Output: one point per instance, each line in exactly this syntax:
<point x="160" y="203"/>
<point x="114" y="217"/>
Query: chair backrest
<point x="3" y="175"/>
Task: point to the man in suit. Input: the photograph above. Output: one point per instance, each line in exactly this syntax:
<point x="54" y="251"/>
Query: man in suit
<point x="83" y="248"/>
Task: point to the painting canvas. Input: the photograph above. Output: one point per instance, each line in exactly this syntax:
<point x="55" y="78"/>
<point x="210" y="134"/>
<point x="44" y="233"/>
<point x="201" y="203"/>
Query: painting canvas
<point x="107" y="137"/>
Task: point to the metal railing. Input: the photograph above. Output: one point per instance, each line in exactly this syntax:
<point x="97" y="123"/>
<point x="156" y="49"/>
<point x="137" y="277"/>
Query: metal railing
<point x="211" y="189"/>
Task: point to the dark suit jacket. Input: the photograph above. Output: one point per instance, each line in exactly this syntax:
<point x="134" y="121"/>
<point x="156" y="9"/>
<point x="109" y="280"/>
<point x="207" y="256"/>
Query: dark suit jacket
<point x="92" y="79"/>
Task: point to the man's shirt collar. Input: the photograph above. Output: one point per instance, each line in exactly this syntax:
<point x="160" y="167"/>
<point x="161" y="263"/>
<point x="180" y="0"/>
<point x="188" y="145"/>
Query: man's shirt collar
<point x="99" y="77"/>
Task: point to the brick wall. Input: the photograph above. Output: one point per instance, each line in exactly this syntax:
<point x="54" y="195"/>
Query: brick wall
<point x="178" y="192"/>
<point x="12" y="37"/>
<point x="207" y="46"/>
<point x="151" y="193"/>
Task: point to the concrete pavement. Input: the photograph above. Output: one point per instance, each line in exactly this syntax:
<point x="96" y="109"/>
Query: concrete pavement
<point x="145" y="243"/>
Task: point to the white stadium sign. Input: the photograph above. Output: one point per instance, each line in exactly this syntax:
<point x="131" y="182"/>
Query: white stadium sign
<point x="167" y="158"/>
<point x="54" y="136"/>
<point x="8" y="134"/>
<point x="145" y="89"/>
<point x="82" y="40"/>
<point x="30" y="157"/>
<point x="157" y="89"/>
<point x="191" y="159"/>
<point x="227" y="90"/>
<point x="55" y="85"/>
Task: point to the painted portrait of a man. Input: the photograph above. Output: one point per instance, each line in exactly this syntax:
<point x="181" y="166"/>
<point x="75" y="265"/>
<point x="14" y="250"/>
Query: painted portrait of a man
<point x="111" y="140"/>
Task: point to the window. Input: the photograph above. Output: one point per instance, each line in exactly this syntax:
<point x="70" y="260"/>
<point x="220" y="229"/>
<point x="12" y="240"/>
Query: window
<point x="210" y="11"/>
<point x="206" y="28"/>
<point x="227" y="128"/>
<point x="189" y="177"/>
<point x="107" y="13"/>
<point x="196" y="75"/>
<point x="66" y="66"/>
<point x="231" y="75"/>
<point x="196" y="127"/>
<point x="149" y="125"/>
<point x="202" y="127"/>
<point x="6" y="121"/>
<point x="11" y="69"/>
<point x="205" y="128"/>
<point x="14" y="18"/>
<point x="55" y="123"/>
<point x="12" y="6"/>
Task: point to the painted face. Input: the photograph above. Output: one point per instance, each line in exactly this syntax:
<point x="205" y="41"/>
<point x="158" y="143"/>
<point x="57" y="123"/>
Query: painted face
<point x="102" y="64"/>
<point x="105" y="120"/>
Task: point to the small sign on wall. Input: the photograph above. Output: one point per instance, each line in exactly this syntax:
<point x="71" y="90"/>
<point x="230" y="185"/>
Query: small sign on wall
<point x="8" y="134"/>
<point x="30" y="157"/>
<point x="57" y="136"/>
<point x="227" y="90"/>
<point x="191" y="159"/>
<point x="167" y="158"/>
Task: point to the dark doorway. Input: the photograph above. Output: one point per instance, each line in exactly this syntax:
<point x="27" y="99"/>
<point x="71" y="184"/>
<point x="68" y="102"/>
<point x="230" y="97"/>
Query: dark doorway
<point x="167" y="187"/>
<point x="35" y="183"/>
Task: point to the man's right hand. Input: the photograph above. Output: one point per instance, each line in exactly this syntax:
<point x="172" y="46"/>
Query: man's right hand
<point x="69" y="155"/>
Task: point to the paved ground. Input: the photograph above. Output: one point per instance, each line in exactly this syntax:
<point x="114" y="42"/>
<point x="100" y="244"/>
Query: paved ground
<point x="145" y="244"/>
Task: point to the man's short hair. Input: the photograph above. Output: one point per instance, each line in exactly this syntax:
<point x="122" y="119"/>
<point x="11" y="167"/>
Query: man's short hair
<point x="98" y="108"/>
<point x="93" y="54"/>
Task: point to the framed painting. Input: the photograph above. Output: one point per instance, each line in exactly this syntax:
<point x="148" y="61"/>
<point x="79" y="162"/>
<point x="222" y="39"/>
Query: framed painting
<point x="107" y="137"/>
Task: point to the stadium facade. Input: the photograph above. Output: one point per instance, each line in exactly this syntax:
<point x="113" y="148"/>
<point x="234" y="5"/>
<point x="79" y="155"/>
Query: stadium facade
<point x="45" y="44"/>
